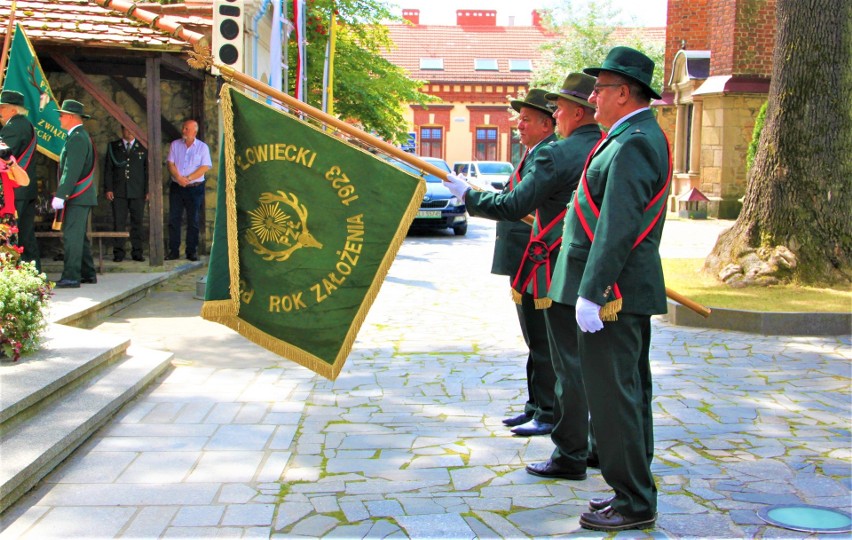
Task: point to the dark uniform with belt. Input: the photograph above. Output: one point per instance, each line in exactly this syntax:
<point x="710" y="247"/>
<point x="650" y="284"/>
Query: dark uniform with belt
<point x="611" y="257"/>
<point x="126" y="176"/>
<point x="76" y="187"/>
<point x="19" y="136"/>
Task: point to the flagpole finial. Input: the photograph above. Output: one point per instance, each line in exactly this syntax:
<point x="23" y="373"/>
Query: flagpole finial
<point x="200" y="57"/>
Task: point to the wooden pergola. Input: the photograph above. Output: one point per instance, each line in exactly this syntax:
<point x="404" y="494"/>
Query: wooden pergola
<point x="105" y="38"/>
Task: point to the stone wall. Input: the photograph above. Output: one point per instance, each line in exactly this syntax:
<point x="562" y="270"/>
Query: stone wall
<point x="176" y="103"/>
<point x="727" y="125"/>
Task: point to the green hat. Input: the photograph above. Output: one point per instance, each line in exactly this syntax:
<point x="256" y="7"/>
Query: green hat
<point x="71" y="106"/>
<point x="629" y="63"/>
<point x="577" y="88"/>
<point x="535" y="99"/>
<point x="11" y="97"/>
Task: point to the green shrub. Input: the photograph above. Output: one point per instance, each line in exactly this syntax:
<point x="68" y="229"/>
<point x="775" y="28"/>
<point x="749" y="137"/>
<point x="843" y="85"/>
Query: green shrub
<point x="24" y="294"/>
<point x="755" y="136"/>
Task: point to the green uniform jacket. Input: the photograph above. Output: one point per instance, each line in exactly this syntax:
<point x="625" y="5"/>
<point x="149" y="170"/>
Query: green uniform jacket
<point x="549" y="178"/>
<point x="126" y="171"/>
<point x="626" y="172"/>
<point x="75" y="163"/>
<point x="512" y="237"/>
<point x="17" y="134"/>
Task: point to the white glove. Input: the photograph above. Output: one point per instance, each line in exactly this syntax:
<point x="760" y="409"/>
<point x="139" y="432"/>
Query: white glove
<point x="57" y="203"/>
<point x="457" y="185"/>
<point x="588" y="315"/>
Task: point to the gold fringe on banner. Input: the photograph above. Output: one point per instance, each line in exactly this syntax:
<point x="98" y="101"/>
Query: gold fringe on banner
<point x="231" y="197"/>
<point x="609" y="312"/>
<point x="212" y="309"/>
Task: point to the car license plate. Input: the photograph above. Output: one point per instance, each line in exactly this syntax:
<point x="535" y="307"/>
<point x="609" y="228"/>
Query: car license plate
<point x="429" y="214"/>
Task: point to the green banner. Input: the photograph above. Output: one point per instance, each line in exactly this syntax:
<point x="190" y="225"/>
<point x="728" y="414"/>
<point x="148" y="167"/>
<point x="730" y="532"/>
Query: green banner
<point x="24" y="75"/>
<point x="307" y="227"/>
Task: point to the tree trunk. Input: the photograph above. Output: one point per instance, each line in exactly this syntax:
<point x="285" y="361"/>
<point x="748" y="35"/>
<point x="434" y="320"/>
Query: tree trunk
<point x="799" y="192"/>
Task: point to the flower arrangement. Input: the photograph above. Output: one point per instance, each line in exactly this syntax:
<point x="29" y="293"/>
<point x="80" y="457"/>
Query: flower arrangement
<point x="24" y="294"/>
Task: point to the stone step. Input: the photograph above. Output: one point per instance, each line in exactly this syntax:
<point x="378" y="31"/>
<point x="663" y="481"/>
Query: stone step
<point x="65" y="357"/>
<point x="52" y="428"/>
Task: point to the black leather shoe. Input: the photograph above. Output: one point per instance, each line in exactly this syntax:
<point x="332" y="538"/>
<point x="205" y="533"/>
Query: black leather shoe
<point x="139" y="258"/>
<point x="600" y="503"/>
<point x="90" y="280"/>
<point x="516" y="420"/>
<point x="548" y="469"/>
<point x="171" y="257"/>
<point x="532" y="428"/>
<point x="192" y="257"/>
<point x="609" y="520"/>
<point x="118" y="258"/>
<point x="67" y="284"/>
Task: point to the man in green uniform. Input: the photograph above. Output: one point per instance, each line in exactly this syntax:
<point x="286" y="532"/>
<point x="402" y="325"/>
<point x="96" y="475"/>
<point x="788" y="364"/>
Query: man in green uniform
<point x="610" y="270"/>
<point x="126" y="187"/>
<point x="75" y="196"/>
<point x="535" y="127"/>
<point x="19" y="136"/>
<point x="543" y="184"/>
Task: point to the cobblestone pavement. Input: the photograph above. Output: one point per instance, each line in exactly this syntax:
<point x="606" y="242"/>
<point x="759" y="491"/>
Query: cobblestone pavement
<point x="407" y="443"/>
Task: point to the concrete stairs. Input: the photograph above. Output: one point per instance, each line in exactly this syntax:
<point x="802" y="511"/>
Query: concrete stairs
<point x="55" y="399"/>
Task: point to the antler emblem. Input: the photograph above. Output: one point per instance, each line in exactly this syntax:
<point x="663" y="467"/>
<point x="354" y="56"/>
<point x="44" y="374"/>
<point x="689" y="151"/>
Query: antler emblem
<point x="272" y="227"/>
<point x="43" y="96"/>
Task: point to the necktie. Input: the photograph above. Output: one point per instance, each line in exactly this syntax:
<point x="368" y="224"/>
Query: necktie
<point x="127" y="146"/>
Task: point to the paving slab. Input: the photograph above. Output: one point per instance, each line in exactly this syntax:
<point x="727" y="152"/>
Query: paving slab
<point x="408" y="442"/>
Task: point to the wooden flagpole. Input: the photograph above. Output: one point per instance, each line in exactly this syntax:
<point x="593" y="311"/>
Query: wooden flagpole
<point x="200" y="58"/>
<point x="7" y="42"/>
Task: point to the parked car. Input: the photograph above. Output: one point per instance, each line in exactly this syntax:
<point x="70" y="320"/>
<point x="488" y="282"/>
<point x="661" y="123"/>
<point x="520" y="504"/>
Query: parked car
<point x="489" y="175"/>
<point x="439" y="209"/>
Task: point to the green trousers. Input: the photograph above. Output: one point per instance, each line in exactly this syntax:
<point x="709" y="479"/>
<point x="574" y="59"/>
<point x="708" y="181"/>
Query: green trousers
<point x="617" y="376"/>
<point x="75" y="244"/>
<point x="541" y="379"/>
<point x="570" y="432"/>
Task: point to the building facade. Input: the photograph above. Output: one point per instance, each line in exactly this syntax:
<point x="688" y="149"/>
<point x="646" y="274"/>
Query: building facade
<point x="718" y="65"/>
<point x="475" y="67"/>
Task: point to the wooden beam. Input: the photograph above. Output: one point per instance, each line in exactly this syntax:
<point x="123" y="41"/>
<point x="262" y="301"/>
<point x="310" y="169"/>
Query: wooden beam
<point x="155" y="163"/>
<point x="167" y="127"/>
<point x="101" y="97"/>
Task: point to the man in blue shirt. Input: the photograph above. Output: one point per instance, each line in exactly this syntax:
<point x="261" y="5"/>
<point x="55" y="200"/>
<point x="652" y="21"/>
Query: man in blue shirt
<point x="188" y="160"/>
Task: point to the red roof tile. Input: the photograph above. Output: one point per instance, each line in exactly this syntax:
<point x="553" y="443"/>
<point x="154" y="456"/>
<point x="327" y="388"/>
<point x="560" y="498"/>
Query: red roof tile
<point x="460" y="45"/>
<point x="643" y="34"/>
<point x="70" y="22"/>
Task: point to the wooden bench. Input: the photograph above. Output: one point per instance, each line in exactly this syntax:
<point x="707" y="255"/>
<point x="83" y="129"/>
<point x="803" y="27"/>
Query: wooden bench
<point x="95" y="235"/>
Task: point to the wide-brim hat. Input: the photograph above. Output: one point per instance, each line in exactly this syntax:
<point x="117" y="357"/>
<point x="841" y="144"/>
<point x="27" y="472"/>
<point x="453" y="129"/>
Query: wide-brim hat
<point x="11" y="97"/>
<point x="71" y="106"/>
<point x="631" y="64"/>
<point x="535" y="99"/>
<point x="577" y="88"/>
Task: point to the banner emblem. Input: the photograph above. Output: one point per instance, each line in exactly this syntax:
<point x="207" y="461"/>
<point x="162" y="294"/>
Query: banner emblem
<point x="270" y="224"/>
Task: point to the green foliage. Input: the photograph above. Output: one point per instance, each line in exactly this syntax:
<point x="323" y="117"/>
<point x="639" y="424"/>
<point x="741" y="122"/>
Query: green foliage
<point x="368" y="89"/>
<point x="755" y="136"/>
<point x="23" y="298"/>
<point x="586" y="32"/>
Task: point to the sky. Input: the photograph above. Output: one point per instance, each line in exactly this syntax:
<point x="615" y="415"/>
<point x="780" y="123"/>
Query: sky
<point x="635" y="12"/>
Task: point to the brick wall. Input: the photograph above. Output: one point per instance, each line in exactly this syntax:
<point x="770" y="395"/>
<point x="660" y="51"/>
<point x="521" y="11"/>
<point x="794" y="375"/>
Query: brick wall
<point x="740" y="34"/>
<point x="743" y="37"/>
<point x="687" y="21"/>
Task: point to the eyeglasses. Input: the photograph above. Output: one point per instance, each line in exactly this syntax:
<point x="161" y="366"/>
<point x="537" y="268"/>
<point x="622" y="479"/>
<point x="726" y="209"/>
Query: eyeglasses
<point x="599" y="86"/>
